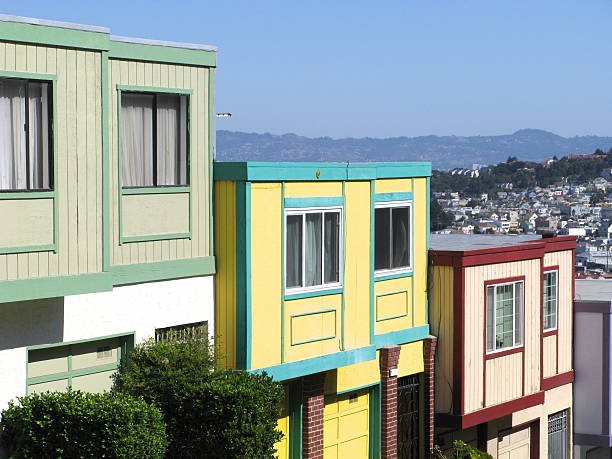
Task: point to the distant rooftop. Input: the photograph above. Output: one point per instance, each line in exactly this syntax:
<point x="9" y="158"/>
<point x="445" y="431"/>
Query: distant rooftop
<point x="594" y="290"/>
<point x="467" y="242"/>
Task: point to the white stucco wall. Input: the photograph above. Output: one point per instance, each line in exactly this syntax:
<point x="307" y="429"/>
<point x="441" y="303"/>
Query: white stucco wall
<point x="137" y="308"/>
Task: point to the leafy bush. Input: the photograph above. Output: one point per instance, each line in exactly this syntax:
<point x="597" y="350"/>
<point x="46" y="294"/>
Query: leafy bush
<point x="228" y="414"/>
<point x="80" y="425"/>
<point x="461" y="450"/>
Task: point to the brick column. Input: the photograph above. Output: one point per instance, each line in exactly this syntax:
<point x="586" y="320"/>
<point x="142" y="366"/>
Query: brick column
<point x="312" y="416"/>
<point x="389" y="358"/>
<point x="429" y="353"/>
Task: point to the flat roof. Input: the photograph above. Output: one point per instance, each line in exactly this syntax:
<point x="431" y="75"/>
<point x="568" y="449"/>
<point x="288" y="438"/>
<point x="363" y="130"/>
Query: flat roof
<point x="593" y="290"/>
<point x="468" y="242"/>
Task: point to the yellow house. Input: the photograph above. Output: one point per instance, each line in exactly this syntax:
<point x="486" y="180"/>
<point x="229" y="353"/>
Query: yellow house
<point x="321" y="283"/>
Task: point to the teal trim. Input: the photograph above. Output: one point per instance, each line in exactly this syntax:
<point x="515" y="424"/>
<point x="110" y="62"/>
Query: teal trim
<point x="153" y="89"/>
<point x="295" y="419"/>
<point x="27" y="195"/>
<point x="72" y="373"/>
<point x="375" y="422"/>
<point x="313" y="340"/>
<point x="335" y="201"/>
<point x="392" y="276"/>
<point x="157" y="190"/>
<point x="154" y="237"/>
<point x="27" y="75"/>
<point x="343" y="248"/>
<point x="310" y="314"/>
<point x="243" y="275"/>
<point x="372" y="260"/>
<point x="282" y="293"/>
<point x="412" y="280"/>
<point x="51" y="287"/>
<point x="298" y="296"/>
<point x="390" y="317"/>
<point x="106" y="189"/>
<point x="288" y="171"/>
<point x="408" y="335"/>
<point x="80" y="341"/>
<point x="300" y="368"/>
<point x="157" y="53"/>
<point x="31" y="248"/>
<point x="54" y="36"/>
<point x="428" y="203"/>
<point x="385" y="197"/>
<point x="163" y="270"/>
<point x="354" y="389"/>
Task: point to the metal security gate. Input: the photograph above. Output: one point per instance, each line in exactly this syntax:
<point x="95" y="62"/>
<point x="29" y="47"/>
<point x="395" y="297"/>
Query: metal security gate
<point x="408" y="418"/>
<point x="557" y="436"/>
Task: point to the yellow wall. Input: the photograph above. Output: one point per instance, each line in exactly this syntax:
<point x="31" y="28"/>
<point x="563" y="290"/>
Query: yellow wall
<point x="313" y="189"/>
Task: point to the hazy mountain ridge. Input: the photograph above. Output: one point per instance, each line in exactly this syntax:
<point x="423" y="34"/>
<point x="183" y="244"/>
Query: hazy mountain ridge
<point x="445" y="152"/>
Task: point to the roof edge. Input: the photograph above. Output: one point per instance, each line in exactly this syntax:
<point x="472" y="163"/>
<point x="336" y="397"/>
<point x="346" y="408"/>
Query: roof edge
<point x="53" y="23"/>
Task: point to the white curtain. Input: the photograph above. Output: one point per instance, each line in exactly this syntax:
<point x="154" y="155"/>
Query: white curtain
<point x="294" y="251"/>
<point x="168" y="141"/>
<point x="38" y="141"/>
<point x="332" y="239"/>
<point x="313" y="250"/>
<point x="12" y="135"/>
<point x="137" y="144"/>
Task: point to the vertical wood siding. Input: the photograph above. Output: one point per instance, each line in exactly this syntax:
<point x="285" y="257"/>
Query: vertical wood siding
<point x="79" y="166"/>
<point x="474" y="323"/>
<point x="550" y="356"/>
<point x="165" y="76"/>
<point x="504" y="379"/>
<point x="441" y="321"/>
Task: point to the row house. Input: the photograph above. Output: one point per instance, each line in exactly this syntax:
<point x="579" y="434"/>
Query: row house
<point x="106" y="147"/>
<point x="501" y="307"/>
<point x="322" y="284"/>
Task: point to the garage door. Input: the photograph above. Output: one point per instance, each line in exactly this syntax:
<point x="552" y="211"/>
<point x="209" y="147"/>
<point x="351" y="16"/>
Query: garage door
<point x="347" y="424"/>
<point x="514" y="444"/>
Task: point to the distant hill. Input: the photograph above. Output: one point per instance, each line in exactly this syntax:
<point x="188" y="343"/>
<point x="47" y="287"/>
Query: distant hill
<point x="444" y="152"/>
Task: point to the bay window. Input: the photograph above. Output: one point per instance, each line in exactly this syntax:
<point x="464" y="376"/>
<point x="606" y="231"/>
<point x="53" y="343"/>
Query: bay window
<point x="504" y="315"/>
<point x="25" y="135"/>
<point x="392" y="237"/>
<point x="313" y="245"/>
<point x="550" y="300"/>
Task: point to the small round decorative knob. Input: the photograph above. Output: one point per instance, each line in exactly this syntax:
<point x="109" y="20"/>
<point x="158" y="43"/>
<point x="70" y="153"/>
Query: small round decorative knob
<point x="318" y="173"/>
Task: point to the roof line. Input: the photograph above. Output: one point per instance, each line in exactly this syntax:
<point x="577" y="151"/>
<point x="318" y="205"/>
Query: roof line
<point x="51" y="23"/>
<point x="172" y="44"/>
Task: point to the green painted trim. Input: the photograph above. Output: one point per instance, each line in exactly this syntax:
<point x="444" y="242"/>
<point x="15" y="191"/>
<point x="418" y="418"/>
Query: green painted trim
<point x="54" y="36"/>
<point x="375" y="422"/>
<point x="327" y="362"/>
<point x="30" y="248"/>
<point x="157" y="190"/>
<point x="50" y="287"/>
<point x="163" y="270"/>
<point x="408" y="335"/>
<point x="106" y="191"/>
<point x="354" y="389"/>
<point x="243" y="275"/>
<point x="27" y="195"/>
<point x="334" y="201"/>
<point x="393" y="276"/>
<point x="412" y="279"/>
<point x="298" y="296"/>
<point x="386" y="197"/>
<point x="80" y="341"/>
<point x="154" y="237"/>
<point x="295" y="419"/>
<point x="153" y="89"/>
<point x="72" y="373"/>
<point x="157" y="53"/>
<point x="372" y="260"/>
<point x="27" y="75"/>
<point x="343" y="248"/>
<point x="302" y="171"/>
<point x="428" y="203"/>
<point x="282" y="286"/>
<point x="212" y="146"/>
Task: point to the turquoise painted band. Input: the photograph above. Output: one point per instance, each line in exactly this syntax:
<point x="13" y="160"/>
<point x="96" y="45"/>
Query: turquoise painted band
<point x="385" y="197"/>
<point x="298" y="296"/>
<point x="408" y="335"/>
<point x="314" y="202"/>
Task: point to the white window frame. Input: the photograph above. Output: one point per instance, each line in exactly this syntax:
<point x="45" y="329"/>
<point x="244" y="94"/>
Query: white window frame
<point x="515" y="345"/>
<point x="556" y="271"/>
<point x="314" y="210"/>
<point x="392" y="205"/>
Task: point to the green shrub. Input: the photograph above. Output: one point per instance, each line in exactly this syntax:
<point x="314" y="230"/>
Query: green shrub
<point x="227" y="414"/>
<point x="461" y="450"/>
<point x="80" y="425"/>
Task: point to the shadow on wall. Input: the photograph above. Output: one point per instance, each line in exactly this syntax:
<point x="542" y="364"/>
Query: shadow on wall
<point x="28" y="323"/>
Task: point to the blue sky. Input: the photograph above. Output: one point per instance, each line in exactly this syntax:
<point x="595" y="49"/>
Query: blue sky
<point x="343" y="68"/>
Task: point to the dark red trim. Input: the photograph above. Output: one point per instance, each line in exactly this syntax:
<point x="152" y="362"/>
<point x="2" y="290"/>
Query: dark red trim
<point x="497" y="354"/>
<point x="551" y="268"/>
<point x="549" y="332"/>
<point x="458" y="338"/>
<point x="534" y="439"/>
<point x="506" y="257"/>
<point x="488" y="414"/>
<point x="558" y="380"/>
<point x="542" y="321"/>
<point x="573" y="305"/>
<point x="505" y="280"/>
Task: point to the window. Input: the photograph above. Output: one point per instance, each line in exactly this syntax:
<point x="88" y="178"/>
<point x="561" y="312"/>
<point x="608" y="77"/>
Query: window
<point x="550" y="300"/>
<point x="393" y="238"/>
<point x="312" y="249"/>
<point x="557" y="435"/>
<point x="504" y="316"/>
<point x="196" y="330"/>
<point x="25" y="135"/>
<point x="154" y="131"/>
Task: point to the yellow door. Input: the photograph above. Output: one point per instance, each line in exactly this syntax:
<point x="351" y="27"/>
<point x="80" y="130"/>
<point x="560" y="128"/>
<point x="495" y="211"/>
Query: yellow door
<point x="514" y="444"/>
<point x="282" y="446"/>
<point x="346" y="425"/>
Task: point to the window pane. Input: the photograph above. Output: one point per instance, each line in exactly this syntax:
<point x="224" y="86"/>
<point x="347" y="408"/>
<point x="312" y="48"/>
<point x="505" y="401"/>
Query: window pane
<point x="382" y="243"/>
<point x="490" y="327"/>
<point x="313" y="250"/>
<point x="12" y="135"/>
<point x="171" y="141"/>
<point x="401" y="237"/>
<point x="518" y="316"/>
<point x="332" y="242"/>
<point x="550" y="300"/>
<point x="293" y="276"/>
<point x="137" y="139"/>
<point x="38" y="135"/>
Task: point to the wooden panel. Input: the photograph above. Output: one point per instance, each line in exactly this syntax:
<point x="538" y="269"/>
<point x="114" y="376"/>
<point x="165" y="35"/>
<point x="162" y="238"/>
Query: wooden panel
<point x="441" y="318"/>
<point x="397" y="290"/>
<point x="550" y="356"/>
<point x="225" y="278"/>
<point x="393" y="185"/>
<point x="26" y="222"/>
<point x="153" y="214"/>
<point x="153" y="75"/>
<point x="312" y="189"/>
<point x="392" y="305"/>
<point x="77" y="132"/>
<point x="474" y="335"/>
<point x="315" y="326"/>
<point x="504" y="378"/>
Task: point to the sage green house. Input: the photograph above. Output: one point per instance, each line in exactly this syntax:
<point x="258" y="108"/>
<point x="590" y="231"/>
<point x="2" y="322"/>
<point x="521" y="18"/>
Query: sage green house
<point x="106" y="148"/>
